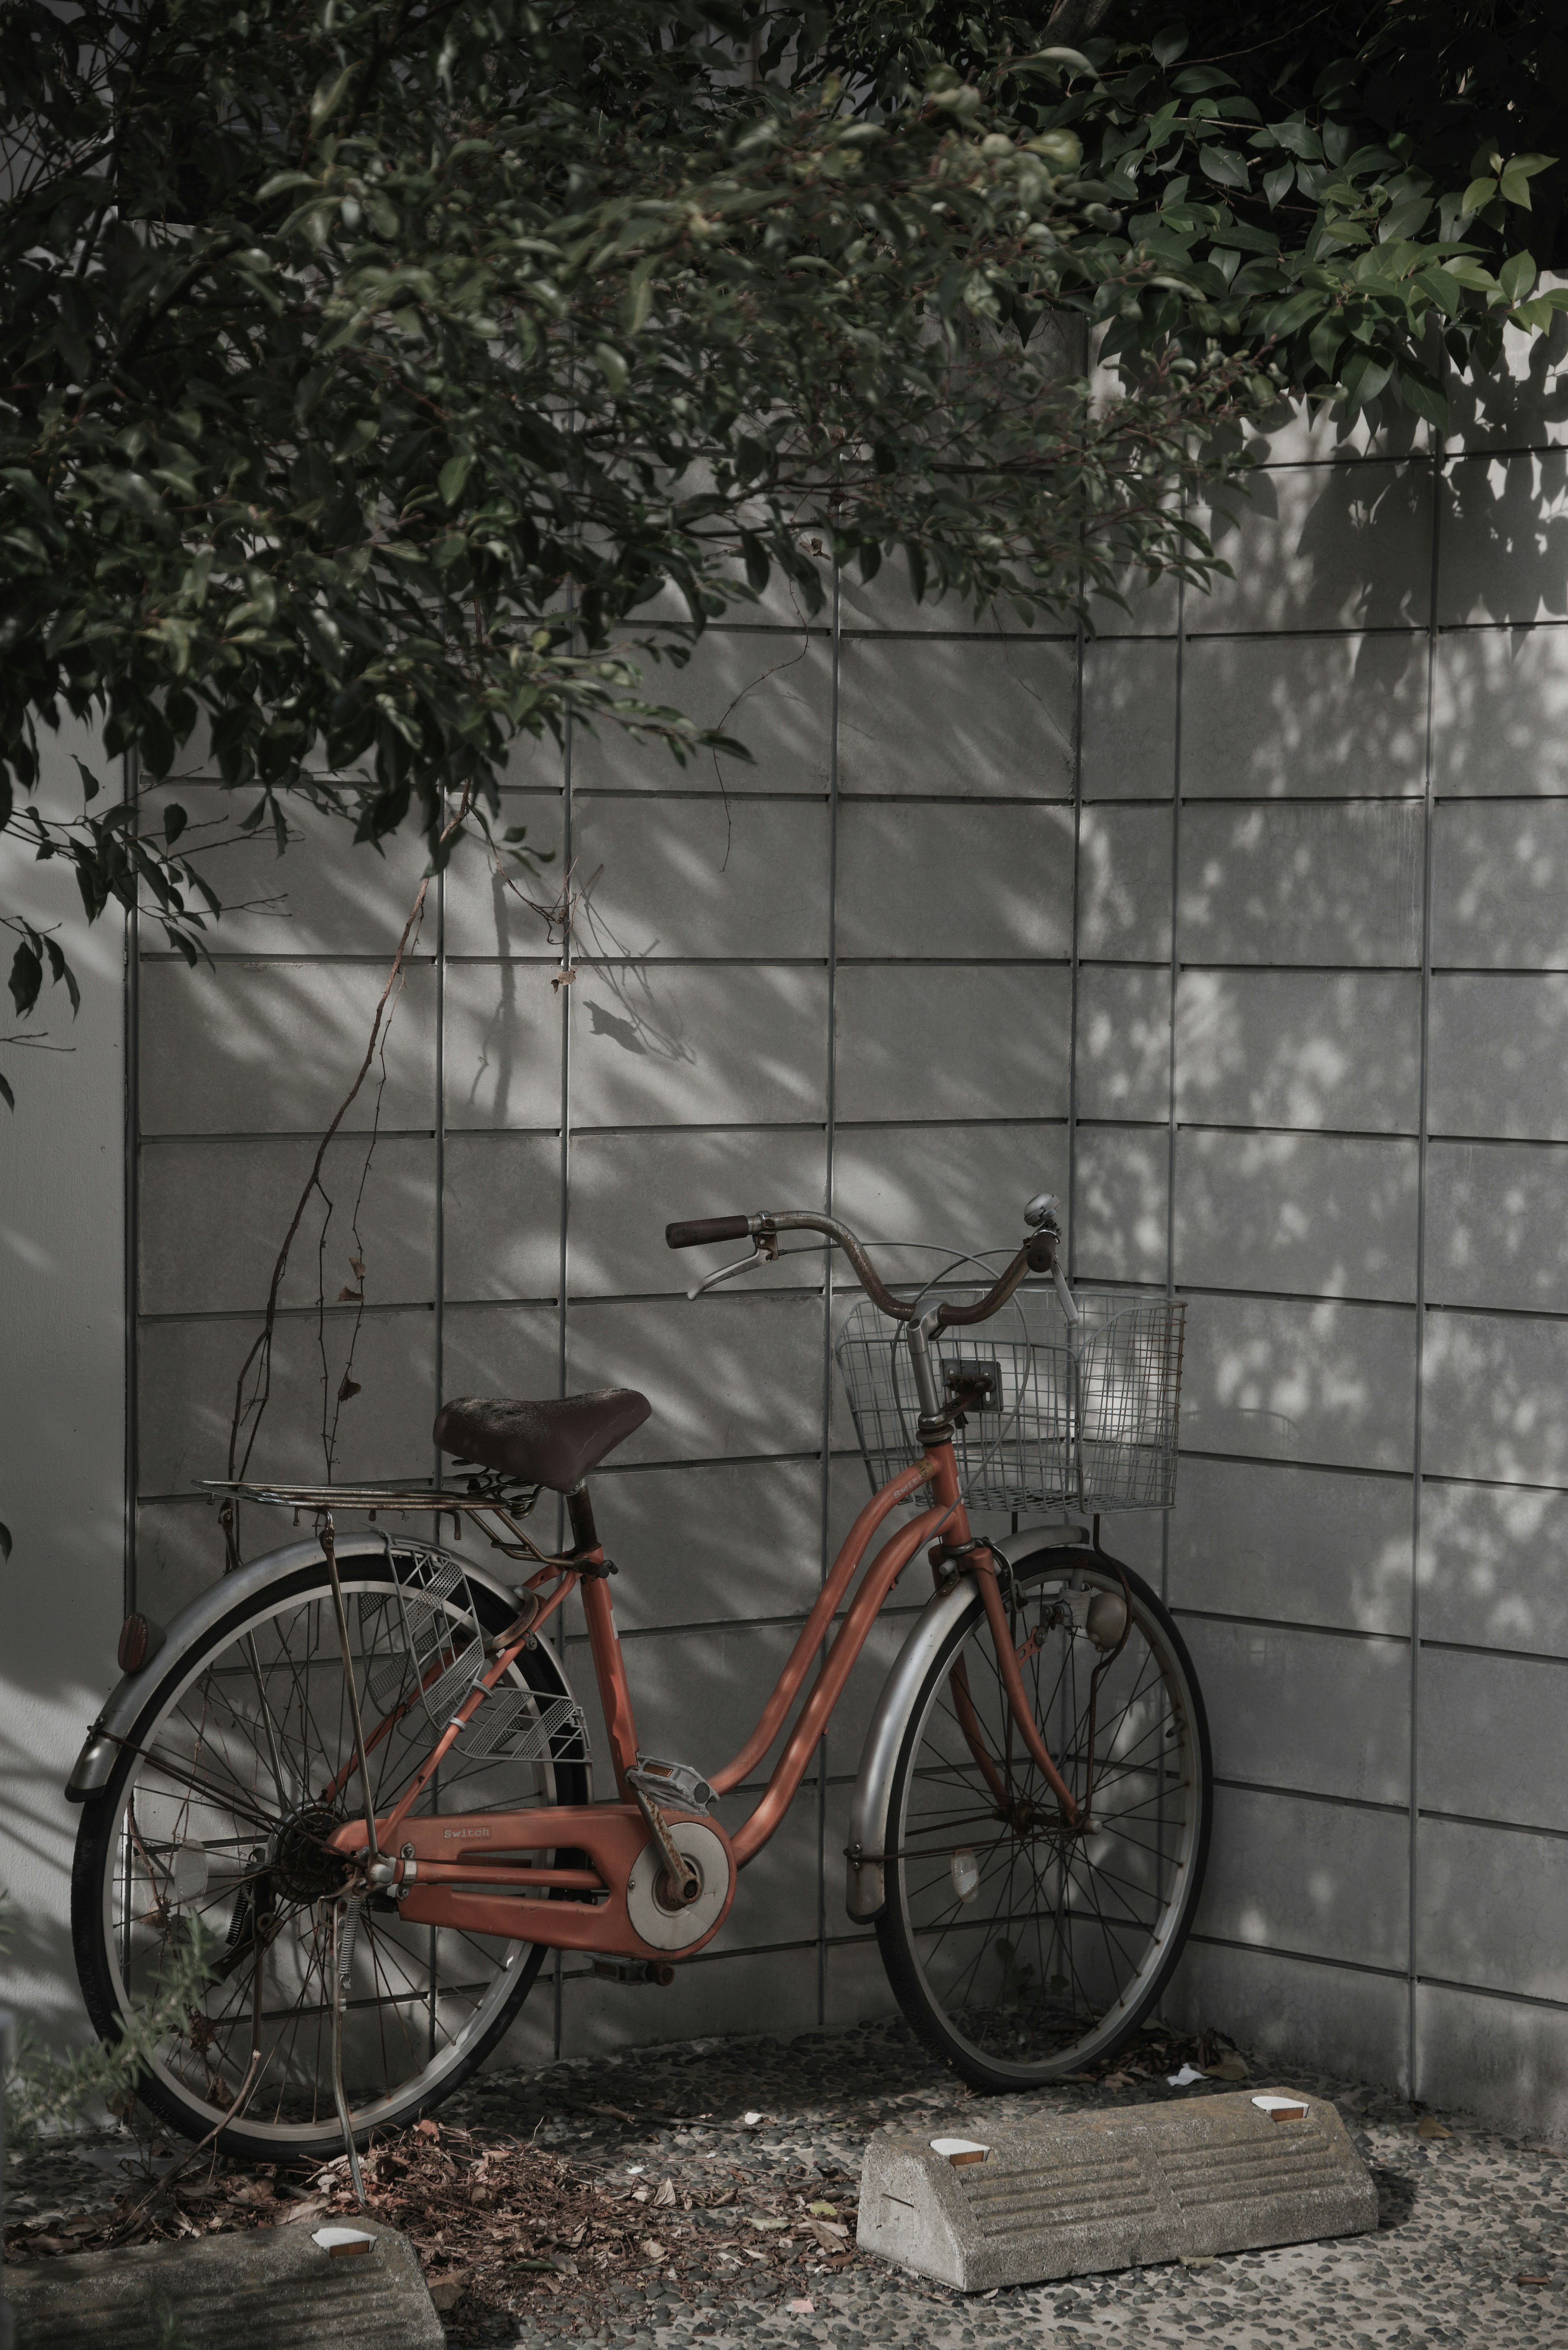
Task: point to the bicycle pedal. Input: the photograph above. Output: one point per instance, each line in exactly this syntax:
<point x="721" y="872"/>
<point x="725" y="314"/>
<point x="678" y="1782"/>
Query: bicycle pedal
<point x="635" y="1970"/>
<point x="671" y="1782"/>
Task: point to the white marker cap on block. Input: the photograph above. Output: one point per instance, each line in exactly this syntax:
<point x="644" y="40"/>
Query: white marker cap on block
<point x="960" y="2150"/>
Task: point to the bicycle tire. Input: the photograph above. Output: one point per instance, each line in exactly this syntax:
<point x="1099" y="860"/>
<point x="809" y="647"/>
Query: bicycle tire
<point x="105" y="1924"/>
<point x="1011" y="2009"/>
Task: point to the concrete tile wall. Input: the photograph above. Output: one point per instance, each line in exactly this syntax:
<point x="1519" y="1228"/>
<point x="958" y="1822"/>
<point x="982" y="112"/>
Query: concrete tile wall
<point x="840" y="974"/>
<point x="1353" y="1058"/>
<point x="1243" y="925"/>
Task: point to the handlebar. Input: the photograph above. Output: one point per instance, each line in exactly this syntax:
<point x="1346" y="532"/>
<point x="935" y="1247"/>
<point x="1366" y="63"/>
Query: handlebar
<point x="707" y="1228"/>
<point x="1038" y="1254"/>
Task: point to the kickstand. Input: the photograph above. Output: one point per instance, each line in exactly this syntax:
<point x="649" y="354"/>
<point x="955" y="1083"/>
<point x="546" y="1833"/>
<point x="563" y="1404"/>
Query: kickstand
<point x="337" y="2090"/>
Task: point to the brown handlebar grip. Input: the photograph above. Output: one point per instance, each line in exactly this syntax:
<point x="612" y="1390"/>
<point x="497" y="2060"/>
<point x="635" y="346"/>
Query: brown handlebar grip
<point x="707" y="1228"/>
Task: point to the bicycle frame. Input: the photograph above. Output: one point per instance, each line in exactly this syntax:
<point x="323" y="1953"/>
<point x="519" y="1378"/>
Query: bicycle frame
<point x="505" y="1892"/>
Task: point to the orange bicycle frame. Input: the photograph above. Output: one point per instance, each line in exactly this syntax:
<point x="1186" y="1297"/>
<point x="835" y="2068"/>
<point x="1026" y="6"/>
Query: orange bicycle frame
<point x="492" y="1872"/>
<point x="515" y="1887"/>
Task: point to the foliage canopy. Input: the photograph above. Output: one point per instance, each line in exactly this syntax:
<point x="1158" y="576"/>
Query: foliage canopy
<point x="380" y="379"/>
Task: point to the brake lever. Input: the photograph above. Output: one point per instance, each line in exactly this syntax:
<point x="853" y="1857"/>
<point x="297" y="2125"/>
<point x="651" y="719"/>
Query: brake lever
<point x="765" y="1250"/>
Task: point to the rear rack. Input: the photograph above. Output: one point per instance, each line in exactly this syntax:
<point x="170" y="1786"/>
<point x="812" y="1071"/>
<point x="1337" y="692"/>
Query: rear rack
<point x="486" y="1510"/>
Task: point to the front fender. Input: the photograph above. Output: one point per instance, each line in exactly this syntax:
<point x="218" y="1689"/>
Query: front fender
<point x="865" y="1890"/>
<point x="124" y="1706"/>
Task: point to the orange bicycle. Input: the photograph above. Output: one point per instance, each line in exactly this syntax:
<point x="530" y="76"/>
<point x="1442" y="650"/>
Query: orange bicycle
<point x="352" y="1777"/>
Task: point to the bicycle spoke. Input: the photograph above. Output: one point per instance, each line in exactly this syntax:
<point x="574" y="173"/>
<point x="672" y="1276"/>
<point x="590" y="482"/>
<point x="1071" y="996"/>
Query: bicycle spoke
<point x="224" y="1825"/>
<point x="1065" y="1918"/>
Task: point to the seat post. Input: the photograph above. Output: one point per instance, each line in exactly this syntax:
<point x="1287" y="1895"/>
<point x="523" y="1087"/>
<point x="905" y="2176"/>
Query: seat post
<point x="610" y="1668"/>
<point x="580" y="1510"/>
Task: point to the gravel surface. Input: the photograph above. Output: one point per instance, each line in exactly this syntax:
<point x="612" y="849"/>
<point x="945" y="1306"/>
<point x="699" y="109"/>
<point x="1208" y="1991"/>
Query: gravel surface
<point x="1466" y="2212"/>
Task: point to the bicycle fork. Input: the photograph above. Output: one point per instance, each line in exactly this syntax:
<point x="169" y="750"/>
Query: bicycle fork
<point x="974" y="1557"/>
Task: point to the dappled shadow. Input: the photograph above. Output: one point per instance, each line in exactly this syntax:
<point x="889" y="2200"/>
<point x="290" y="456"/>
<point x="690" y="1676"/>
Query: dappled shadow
<point x="1504" y="543"/>
<point x="1322" y="1216"/>
<point x="1523" y="404"/>
<point x="1302" y="883"/>
<point x="1312" y="1049"/>
<point x="1340" y="546"/>
<point x="1275" y="717"/>
<point x="1287" y="1380"/>
<point x="1494" y="1567"/>
<point x="1501" y="711"/>
<point x="947" y="715"/>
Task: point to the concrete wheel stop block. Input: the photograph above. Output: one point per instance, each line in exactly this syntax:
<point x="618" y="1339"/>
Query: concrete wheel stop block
<point x="1032" y="2201"/>
<point x="279" y="2286"/>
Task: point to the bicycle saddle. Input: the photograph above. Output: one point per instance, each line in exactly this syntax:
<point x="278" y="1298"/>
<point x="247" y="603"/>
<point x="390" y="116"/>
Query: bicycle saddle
<point x="553" y="1443"/>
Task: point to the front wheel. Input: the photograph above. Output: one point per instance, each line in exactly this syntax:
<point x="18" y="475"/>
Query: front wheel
<point x="1020" y="1948"/>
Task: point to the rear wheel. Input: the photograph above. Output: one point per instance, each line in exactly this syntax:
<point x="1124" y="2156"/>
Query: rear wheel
<point x="216" y="1817"/>
<point x="1018" y="1947"/>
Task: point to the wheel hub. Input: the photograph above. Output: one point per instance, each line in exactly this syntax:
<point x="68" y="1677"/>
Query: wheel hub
<point x="304" y="1865"/>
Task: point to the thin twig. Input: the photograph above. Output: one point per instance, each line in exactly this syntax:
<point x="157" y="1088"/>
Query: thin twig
<point x="260" y="1354"/>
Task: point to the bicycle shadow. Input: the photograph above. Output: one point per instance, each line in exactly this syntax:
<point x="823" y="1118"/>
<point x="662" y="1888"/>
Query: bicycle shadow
<point x="1397" y="2194"/>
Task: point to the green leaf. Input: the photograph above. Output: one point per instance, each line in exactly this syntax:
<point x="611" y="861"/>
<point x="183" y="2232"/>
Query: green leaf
<point x="612" y="367"/>
<point x="1419" y="392"/>
<point x="1169" y="45"/>
<point x="638" y="299"/>
<point x="1222" y="164"/>
<point x="1063" y="150"/>
<point x="1526" y="167"/>
<point x="1297" y="137"/>
<point x="1406" y="218"/>
<point x="1364" y="377"/>
<point x="1479" y="192"/>
<point x="1443" y="287"/>
<point x="1277" y="182"/>
<point x="1517" y="276"/>
<point x="280" y="181"/>
<point x="1514" y="179"/>
<point x="327" y="98"/>
<point x="1324" y="340"/>
<point x="450" y="480"/>
<point x="1284" y="317"/>
<point x="1073" y="59"/>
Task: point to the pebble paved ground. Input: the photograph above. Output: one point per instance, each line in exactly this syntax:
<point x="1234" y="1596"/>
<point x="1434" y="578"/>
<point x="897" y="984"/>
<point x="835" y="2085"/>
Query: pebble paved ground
<point x="1464" y="2217"/>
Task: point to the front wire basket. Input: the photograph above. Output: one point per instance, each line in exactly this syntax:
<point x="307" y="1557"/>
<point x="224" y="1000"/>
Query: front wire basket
<point x="1079" y="1418"/>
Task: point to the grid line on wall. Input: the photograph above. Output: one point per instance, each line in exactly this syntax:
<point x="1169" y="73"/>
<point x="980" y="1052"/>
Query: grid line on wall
<point x="1417" y="1436"/>
<point x="1257" y="1600"/>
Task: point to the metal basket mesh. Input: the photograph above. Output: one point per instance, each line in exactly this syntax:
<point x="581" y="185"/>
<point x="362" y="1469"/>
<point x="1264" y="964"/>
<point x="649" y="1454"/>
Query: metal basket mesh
<point x="1082" y="1418"/>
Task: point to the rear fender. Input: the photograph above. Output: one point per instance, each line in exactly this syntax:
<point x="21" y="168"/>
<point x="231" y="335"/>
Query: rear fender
<point x="126" y="1703"/>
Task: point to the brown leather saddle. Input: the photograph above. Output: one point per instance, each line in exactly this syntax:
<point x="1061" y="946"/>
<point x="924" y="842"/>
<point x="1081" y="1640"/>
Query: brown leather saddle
<point x="553" y="1443"/>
